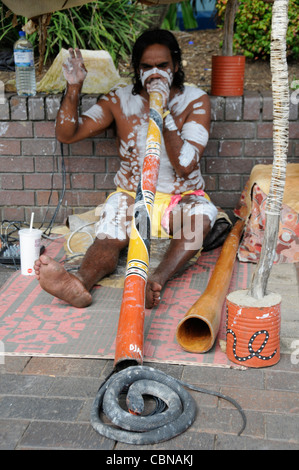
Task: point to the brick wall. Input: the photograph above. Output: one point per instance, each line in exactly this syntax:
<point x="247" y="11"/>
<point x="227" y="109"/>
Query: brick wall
<point x="31" y="162"/>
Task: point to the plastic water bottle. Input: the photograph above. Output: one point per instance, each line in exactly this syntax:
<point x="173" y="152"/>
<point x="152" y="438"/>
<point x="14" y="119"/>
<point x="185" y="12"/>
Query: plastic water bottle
<point x="24" y="66"/>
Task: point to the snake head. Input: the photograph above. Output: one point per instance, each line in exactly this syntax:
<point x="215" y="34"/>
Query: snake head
<point x="134" y="403"/>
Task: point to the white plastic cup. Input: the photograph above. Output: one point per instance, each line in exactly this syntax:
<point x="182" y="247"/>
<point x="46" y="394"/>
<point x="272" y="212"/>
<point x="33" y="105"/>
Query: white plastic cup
<point x="30" y="243"/>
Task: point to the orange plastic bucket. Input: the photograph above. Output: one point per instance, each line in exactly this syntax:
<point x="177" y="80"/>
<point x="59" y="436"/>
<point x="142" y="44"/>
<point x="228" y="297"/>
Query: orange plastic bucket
<point x="228" y="75"/>
<point x="253" y="329"/>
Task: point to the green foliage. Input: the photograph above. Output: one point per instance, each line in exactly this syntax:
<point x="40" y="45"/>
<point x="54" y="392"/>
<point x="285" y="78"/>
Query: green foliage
<point x="171" y="20"/>
<point x="253" y="28"/>
<point x="110" y="25"/>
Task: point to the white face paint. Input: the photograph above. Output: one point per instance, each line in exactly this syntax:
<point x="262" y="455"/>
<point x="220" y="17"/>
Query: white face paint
<point x="165" y="74"/>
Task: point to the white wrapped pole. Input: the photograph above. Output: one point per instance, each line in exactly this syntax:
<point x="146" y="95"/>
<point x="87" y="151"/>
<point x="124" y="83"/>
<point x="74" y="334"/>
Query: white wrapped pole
<point x="280" y="92"/>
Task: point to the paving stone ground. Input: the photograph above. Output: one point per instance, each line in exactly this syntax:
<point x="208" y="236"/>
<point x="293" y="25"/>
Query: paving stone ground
<point x="45" y="402"/>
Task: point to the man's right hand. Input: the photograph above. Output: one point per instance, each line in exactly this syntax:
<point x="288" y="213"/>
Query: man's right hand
<point x="74" y="70"/>
<point x="162" y="87"/>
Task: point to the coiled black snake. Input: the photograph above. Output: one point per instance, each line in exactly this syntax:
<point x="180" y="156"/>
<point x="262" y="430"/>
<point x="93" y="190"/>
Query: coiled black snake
<point x="150" y="429"/>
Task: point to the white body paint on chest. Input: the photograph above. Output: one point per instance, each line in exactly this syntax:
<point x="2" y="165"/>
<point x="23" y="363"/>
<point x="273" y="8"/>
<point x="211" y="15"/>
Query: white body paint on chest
<point x="130" y="104"/>
<point x="132" y="149"/>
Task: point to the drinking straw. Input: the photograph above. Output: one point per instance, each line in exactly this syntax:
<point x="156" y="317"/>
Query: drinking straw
<point x="31" y="221"/>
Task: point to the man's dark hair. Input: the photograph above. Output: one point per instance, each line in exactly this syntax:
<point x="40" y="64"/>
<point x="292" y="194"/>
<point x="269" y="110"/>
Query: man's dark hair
<point x="157" y="36"/>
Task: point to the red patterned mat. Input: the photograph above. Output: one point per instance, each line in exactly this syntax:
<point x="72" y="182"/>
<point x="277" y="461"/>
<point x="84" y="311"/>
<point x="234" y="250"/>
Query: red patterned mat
<point x="33" y="323"/>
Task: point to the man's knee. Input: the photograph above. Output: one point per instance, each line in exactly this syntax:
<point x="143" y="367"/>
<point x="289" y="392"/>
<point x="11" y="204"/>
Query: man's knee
<point x="115" y="219"/>
<point x="192" y="220"/>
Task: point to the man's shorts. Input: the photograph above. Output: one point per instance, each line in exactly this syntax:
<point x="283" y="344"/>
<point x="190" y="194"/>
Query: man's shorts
<point x="164" y="204"/>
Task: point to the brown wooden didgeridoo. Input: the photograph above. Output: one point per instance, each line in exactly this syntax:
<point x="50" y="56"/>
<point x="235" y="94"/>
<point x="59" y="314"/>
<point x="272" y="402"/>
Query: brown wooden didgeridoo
<point x="197" y="331"/>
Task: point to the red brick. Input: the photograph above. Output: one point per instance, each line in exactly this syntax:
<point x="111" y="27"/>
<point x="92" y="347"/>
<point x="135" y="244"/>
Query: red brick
<point x="17" y="198"/>
<point x="11" y="181"/>
<point x="85" y="165"/>
<point x="13" y="213"/>
<point x="85" y="181"/>
<point x="232" y="130"/>
<point x="113" y="164"/>
<point x="42" y="198"/>
<point x="252" y="105"/>
<point x="16" y="164"/>
<point x="265" y="130"/>
<point x="233" y="108"/>
<point x="44" y="129"/>
<point x="263" y="161"/>
<point x="10" y="147"/>
<point x="210" y="182"/>
<point x="294" y="130"/>
<point x="230" y="182"/>
<point x="258" y="148"/>
<point x="18" y="108"/>
<point x="225" y="199"/>
<point x="36" y="108"/>
<point x="39" y="147"/>
<point x="38" y="181"/>
<point x="45" y="164"/>
<point x="104" y="181"/>
<point x="267" y="106"/>
<point x="16" y="129"/>
<point x="296" y="149"/>
<point x="40" y="212"/>
<point x="81" y="148"/>
<point x="211" y="149"/>
<point x="58" y="182"/>
<point x="230" y="148"/>
<point x="217" y="107"/>
<point x="85" y="198"/>
<point x="229" y="165"/>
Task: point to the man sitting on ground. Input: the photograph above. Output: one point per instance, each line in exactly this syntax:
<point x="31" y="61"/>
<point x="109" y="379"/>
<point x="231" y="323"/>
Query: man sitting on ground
<point x="184" y="210"/>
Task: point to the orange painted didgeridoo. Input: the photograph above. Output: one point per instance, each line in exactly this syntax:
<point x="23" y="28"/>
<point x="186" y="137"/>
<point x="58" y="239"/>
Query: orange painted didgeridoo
<point x="129" y="339"/>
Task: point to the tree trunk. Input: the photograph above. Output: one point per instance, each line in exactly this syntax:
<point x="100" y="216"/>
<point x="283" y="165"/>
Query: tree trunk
<point x="158" y="14"/>
<point x="229" y="21"/>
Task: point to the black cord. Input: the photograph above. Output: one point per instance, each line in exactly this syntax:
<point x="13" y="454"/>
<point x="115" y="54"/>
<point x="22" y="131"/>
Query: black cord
<point x="8" y="239"/>
<point x="63" y="170"/>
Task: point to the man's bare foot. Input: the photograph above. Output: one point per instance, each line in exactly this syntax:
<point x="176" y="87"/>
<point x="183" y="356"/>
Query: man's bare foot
<point x="55" y="280"/>
<point x="153" y="294"/>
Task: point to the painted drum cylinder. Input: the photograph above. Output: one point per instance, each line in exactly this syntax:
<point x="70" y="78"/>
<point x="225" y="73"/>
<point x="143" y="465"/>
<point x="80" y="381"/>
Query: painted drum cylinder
<point x="253" y="329"/>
